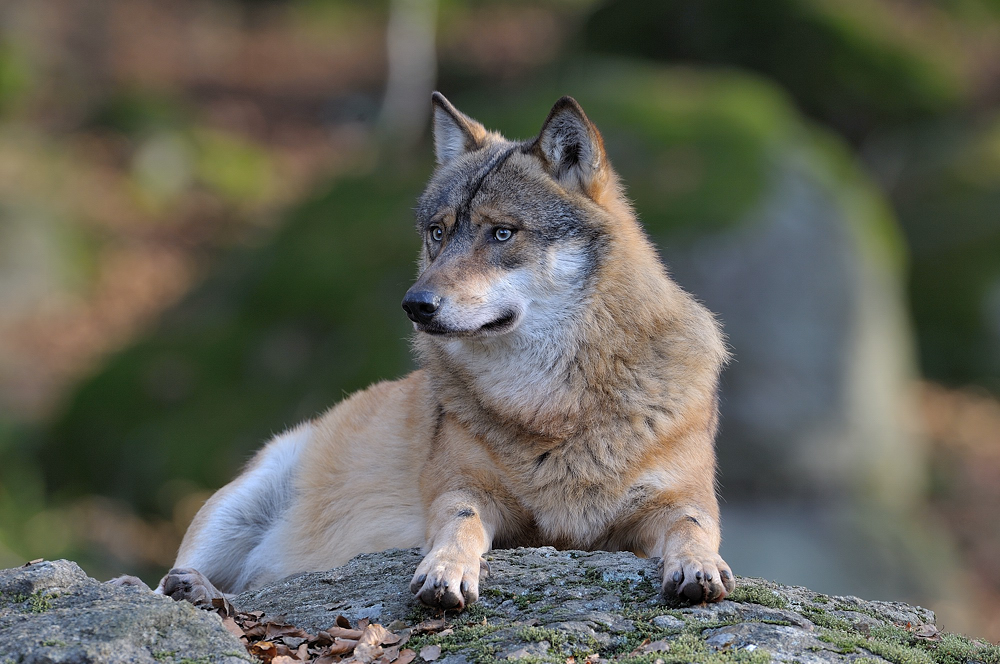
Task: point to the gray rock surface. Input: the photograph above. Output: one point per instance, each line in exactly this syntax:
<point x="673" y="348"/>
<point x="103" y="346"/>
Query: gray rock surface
<point x="540" y="605"/>
<point x="52" y="612"/>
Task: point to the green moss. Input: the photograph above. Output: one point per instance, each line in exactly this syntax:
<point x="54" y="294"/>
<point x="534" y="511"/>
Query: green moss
<point x="692" y="648"/>
<point x="821" y="618"/>
<point x="749" y="594"/>
<point x="53" y="642"/>
<point x="40" y="601"/>
<point x="845" y="643"/>
<point x="473" y="640"/>
<point x="901" y="647"/>
<point x="555" y="638"/>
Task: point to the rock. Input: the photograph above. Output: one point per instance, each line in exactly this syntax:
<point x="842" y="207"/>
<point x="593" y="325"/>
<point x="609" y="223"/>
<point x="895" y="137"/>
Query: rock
<point x="541" y="605"/>
<point x="53" y="613"/>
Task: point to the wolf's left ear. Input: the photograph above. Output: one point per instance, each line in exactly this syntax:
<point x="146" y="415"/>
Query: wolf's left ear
<point x="572" y="148"/>
<point x="454" y="132"/>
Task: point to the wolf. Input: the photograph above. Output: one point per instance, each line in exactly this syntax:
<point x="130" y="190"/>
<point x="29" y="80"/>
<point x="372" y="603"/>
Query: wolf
<point x="566" y="396"/>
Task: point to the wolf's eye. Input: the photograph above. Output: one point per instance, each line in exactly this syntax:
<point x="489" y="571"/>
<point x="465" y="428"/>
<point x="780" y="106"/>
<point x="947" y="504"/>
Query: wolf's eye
<point x="437" y="233"/>
<point x="502" y="234"/>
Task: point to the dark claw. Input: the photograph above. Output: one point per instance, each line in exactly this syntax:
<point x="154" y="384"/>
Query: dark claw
<point x="698" y="575"/>
<point x="677" y="577"/>
<point x="417" y="583"/>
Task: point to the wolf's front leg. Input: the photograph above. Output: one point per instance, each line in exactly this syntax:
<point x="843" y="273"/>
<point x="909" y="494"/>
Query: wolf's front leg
<point x="457" y="538"/>
<point x="687" y="537"/>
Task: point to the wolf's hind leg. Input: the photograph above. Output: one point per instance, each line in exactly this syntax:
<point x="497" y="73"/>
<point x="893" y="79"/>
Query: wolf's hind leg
<point x="234" y="542"/>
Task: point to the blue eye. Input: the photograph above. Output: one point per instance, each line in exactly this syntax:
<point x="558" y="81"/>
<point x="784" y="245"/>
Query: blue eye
<point x="502" y="234"/>
<point x="437" y="233"/>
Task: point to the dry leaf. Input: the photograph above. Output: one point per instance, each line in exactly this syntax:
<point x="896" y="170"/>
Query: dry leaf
<point x="367" y="653"/>
<point x="927" y="632"/>
<point x="373" y="635"/>
<point x="657" y="646"/>
<point x="430" y="653"/>
<point x="429" y="625"/>
<point x="364" y="622"/>
<point x="337" y="631"/>
<point x="223" y="606"/>
<point x="275" y="630"/>
<point x="342" y="646"/>
<point x="406" y="656"/>
<point x="233" y="628"/>
<point x="284" y="659"/>
<point x="326" y="659"/>
<point x="264" y="650"/>
<point x="343" y="622"/>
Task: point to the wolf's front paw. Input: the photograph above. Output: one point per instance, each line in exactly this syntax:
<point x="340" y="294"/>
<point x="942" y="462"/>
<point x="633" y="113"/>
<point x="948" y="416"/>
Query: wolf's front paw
<point x="697" y="579"/>
<point x="447" y="582"/>
<point x="189" y="584"/>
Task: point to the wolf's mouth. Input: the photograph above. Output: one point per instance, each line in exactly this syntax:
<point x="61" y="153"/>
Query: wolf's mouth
<point x="500" y="325"/>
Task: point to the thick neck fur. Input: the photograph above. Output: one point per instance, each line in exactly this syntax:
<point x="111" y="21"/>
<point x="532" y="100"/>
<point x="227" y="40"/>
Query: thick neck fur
<point x="630" y="353"/>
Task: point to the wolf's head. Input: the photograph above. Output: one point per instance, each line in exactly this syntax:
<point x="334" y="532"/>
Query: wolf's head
<point x="512" y="231"/>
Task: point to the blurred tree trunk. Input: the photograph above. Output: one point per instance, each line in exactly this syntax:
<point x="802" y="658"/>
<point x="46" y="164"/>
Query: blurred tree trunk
<point x="412" y="64"/>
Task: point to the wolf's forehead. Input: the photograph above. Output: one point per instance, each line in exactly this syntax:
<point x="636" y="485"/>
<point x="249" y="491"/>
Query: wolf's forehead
<point x="457" y="186"/>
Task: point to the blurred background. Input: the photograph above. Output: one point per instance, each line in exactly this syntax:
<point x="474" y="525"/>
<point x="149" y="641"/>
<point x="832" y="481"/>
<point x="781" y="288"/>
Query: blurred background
<point x="206" y="230"/>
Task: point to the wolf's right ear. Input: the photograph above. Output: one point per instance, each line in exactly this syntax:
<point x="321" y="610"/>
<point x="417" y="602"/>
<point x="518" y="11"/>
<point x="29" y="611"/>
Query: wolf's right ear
<point x="573" y="150"/>
<point x="454" y="132"/>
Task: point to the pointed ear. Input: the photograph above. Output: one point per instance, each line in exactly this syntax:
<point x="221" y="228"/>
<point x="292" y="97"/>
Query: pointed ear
<point x="572" y="148"/>
<point x="454" y="132"/>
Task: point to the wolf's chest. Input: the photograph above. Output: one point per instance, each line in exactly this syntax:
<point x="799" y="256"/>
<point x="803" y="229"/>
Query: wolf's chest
<point x="576" y="498"/>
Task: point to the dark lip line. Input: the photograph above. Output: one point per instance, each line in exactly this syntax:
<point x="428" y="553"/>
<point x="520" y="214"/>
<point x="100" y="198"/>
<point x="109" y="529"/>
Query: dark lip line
<point x="500" y="323"/>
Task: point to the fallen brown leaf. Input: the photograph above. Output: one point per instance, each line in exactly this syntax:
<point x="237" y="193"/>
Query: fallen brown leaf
<point x="343" y="632"/>
<point x="233" y="628"/>
<point x="265" y="650"/>
<point x="430" y="653"/>
<point x="406" y="656"/>
<point x="374" y="635"/>
<point x="429" y="625"/>
<point x="657" y="646"/>
<point x="341" y="646"/>
<point x="343" y="622"/>
<point x="274" y="630"/>
<point x="366" y="653"/>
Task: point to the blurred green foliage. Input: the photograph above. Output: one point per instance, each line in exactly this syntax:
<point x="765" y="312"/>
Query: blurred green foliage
<point x="15" y="78"/>
<point x="846" y="62"/>
<point x="951" y="201"/>
<point x="279" y="333"/>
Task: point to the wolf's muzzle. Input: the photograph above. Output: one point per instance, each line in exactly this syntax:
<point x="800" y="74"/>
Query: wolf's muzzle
<point x="420" y="306"/>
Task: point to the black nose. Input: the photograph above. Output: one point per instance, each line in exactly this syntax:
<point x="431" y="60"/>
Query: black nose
<point x="421" y="306"/>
